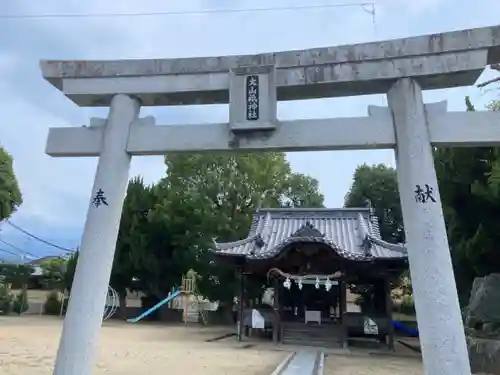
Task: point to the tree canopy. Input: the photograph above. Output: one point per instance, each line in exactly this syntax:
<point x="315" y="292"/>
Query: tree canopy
<point x="10" y="194"/>
<point x="376" y="186"/>
<point x="469" y="182"/>
<point x="15" y="273"/>
<point x="58" y="273"/>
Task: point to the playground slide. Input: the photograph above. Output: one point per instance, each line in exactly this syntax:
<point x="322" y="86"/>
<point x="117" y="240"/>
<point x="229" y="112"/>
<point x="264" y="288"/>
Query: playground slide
<point x="155" y="307"/>
<point x="407" y="331"/>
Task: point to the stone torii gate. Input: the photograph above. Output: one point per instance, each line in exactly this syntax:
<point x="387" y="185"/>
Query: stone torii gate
<point x="252" y="85"/>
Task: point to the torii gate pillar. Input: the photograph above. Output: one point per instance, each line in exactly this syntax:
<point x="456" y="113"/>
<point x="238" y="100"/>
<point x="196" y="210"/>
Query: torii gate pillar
<point x="81" y="330"/>
<point x="440" y="324"/>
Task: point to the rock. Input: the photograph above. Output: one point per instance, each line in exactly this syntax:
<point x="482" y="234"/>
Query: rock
<point x="491" y="329"/>
<point x="483" y="313"/>
<point x="484" y="355"/>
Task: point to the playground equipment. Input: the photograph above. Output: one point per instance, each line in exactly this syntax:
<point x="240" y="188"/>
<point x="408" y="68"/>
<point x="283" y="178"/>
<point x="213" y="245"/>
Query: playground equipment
<point x="398" y="326"/>
<point x="187" y="290"/>
<point x="189" y="286"/>
<point x="155" y="307"/>
<point x="112" y="303"/>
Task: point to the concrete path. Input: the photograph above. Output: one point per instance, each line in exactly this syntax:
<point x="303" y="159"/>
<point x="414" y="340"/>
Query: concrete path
<point x="303" y="362"/>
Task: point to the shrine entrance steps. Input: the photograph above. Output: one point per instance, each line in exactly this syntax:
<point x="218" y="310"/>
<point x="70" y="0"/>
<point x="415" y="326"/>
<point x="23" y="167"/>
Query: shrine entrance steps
<point x="322" y="335"/>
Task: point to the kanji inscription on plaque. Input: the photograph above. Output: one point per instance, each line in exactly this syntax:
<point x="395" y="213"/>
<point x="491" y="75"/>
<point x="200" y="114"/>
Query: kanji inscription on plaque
<point x="252" y="97"/>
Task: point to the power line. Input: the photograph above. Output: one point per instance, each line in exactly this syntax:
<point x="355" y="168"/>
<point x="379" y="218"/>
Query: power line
<point x="366" y="6"/>
<point x="10" y="252"/>
<point x="38" y="238"/>
<point x="16" y="248"/>
<point x="22" y="256"/>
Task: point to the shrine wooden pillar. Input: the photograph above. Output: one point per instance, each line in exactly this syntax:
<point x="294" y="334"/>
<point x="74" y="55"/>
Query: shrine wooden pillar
<point x="241" y="305"/>
<point x="343" y="310"/>
<point x="277" y="315"/>
<point x="383" y="307"/>
<point x="388" y="312"/>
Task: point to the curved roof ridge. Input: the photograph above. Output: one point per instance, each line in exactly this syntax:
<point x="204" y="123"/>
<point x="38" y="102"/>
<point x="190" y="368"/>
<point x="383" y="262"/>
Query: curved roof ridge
<point x="363" y="230"/>
<point x="375" y="226"/>
<point x="276" y="250"/>
<point x="398" y="248"/>
<point x="254" y="226"/>
<point x="351" y="234"/>
<point x="305" y="209"/>
<point x="229" y="245"/>
<point x="265" y="227"/>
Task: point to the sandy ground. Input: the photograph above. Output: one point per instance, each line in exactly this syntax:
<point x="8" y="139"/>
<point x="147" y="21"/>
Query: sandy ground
<point x="372" y="365"/>
<point x="28" y="346"/>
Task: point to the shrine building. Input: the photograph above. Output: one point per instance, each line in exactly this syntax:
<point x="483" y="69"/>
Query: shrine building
<point x="309" y="257"/>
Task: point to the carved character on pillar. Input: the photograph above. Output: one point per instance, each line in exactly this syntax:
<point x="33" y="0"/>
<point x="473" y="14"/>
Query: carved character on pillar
<point x="100" y="199"/>
<point x="424" y="196"/>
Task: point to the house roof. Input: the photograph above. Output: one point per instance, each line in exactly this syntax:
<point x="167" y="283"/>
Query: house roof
<point x="37" y="262"/>
<point x="353" y="233"/>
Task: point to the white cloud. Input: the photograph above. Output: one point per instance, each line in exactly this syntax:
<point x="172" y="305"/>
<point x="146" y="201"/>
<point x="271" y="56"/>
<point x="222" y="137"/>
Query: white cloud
<point x="414" y="8"/>
<point x="8" y="63"/>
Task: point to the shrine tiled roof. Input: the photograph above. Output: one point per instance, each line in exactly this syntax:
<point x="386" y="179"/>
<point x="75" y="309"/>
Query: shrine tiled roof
<point x="353" y="233"/>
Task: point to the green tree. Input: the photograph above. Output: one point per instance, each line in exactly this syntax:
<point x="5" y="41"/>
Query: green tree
<point x="469" y="183"/>
<point x="133" y="238"/>
<point x="20" y="302"/>
<point x="10" y="195"/>
<point x="178" y="233"/>
<point x="70" y="270"/>
<point x="377" y="186"/>
<point x="157" y="240"/>
<point x="302" y="191"/>
<point x="17" y="274"/>
<point x="58" y="275"/>
<point x="53" y="273"/>
<point x="232" y="186"/>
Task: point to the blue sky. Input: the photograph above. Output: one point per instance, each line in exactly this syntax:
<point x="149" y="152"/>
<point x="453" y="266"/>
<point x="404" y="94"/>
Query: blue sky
<point x="56" y="191"/>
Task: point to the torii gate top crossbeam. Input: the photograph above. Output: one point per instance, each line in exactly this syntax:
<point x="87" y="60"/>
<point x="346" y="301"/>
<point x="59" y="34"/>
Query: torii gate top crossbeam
<point x="437" y="61"/>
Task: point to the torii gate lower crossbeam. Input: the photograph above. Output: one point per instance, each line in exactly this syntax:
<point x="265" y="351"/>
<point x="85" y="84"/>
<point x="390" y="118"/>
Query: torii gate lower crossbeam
<point x="400" y="68"/>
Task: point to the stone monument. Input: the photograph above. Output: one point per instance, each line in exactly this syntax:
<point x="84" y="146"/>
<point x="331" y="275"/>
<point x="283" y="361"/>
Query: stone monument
<point x="483" y="325"/>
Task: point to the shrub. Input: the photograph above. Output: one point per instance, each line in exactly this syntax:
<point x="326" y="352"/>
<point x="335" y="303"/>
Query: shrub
<point x="5" y="300"/>
<point x="396" y="306"/>
<point x="407" y="305"/>
<point x="20" y="304"/>
<point x="52" y="305"/>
